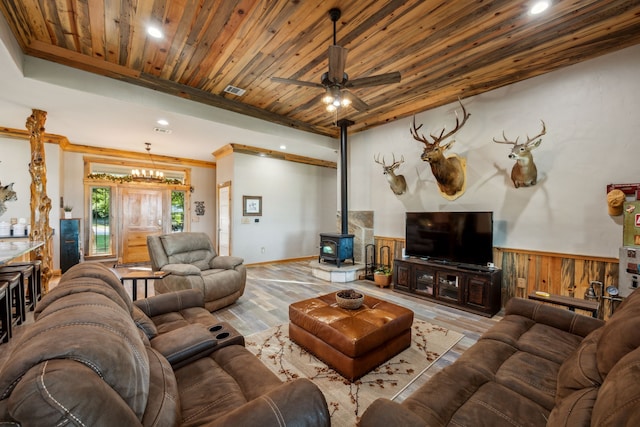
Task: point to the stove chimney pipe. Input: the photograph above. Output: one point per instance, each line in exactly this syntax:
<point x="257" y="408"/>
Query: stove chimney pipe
<point x="344" y="210"/>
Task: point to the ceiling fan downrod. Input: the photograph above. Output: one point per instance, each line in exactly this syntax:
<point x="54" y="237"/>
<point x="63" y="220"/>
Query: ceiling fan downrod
<point x="335" y="14"/>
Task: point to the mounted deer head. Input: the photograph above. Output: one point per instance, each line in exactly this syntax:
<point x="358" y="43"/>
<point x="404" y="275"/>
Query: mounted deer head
<point x="450" y="172"/>
<point x="397" y="182"/>
<point x="524" y="172"/>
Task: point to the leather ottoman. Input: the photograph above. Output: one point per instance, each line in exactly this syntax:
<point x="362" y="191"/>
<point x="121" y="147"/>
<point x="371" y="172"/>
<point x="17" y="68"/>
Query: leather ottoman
<point x="352" y="342"/>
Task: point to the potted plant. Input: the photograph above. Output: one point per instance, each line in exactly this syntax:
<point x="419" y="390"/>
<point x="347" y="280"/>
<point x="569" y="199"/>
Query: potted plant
<point x="67" y="211"/>
<point x="382" y="275"/>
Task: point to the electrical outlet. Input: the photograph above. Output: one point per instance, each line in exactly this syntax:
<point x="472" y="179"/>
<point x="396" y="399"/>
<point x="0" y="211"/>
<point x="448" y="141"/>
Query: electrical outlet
<point x="246" y="220"/>
<point x="521" y="282"/>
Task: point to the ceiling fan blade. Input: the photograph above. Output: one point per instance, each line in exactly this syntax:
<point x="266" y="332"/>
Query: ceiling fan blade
<point x="295" y="82"/>
<point x="356" y="102"/>
<point x="337" y="62"/>
<point x="380" y="79"/>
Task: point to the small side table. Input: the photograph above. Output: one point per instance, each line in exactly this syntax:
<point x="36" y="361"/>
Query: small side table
<point x="572" y="303"/>
<point x="134" y="276"/>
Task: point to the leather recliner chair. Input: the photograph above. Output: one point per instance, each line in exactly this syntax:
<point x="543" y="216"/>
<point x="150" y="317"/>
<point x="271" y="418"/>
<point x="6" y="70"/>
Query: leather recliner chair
<point x="194" y="264"/>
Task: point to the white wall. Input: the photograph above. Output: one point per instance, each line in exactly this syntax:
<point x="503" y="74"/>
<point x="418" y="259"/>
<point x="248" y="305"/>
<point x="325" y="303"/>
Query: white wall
<point x="203" y="181"/>
<point x="590" y="110"/>
<point x="298" y="203"/>
<point x="15" y="156"/>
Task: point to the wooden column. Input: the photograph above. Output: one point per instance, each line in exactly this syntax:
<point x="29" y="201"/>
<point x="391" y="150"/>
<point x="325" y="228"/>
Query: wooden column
<point x="40" y="202"/>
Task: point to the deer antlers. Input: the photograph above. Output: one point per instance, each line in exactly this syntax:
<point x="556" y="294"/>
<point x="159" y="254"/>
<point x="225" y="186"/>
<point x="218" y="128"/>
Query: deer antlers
<point x="436" y="139"/>
<point x="529" y="140"/>
<point x="394" y="164"/>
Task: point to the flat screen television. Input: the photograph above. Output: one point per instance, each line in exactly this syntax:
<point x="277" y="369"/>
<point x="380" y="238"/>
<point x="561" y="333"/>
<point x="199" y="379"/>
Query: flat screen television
<point x="457" y="237"/>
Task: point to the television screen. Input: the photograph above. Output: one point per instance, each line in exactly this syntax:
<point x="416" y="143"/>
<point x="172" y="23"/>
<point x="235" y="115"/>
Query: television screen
<point x="460" y="237"/>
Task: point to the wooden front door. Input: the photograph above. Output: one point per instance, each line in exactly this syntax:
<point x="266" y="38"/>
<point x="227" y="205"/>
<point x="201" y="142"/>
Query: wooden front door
<point x="141" y="216"/>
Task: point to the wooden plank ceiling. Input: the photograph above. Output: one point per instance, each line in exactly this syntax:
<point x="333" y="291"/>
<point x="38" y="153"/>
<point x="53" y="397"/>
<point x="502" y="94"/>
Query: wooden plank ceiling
<point x="443" y="49"/>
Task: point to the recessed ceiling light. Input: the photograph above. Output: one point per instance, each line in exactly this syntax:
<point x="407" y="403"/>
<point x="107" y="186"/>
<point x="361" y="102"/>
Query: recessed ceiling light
<point x="163" y="122"/>
<point x="154" y="32"/>
<point x="539" y="7"/>
<point x="283" y="147"/>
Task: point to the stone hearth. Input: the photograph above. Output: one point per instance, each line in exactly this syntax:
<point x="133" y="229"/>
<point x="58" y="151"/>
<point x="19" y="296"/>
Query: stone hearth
<point x="331" y="273"/>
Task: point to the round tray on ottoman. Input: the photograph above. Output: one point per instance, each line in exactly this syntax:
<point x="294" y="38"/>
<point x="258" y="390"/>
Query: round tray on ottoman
<point x="349" y="299"/>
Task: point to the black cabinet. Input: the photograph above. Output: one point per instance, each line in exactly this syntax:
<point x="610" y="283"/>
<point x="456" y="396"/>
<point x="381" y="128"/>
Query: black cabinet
<point x="69" y="243"/>
<point x="471" y="288"/>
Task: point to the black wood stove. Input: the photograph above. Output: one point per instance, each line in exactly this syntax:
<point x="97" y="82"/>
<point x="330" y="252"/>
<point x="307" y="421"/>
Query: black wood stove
<point x="336" y="248"/>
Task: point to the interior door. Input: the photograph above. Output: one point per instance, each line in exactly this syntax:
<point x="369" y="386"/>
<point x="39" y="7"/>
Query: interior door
<point x="224" y="219"/>
<point x="141" y="217"/>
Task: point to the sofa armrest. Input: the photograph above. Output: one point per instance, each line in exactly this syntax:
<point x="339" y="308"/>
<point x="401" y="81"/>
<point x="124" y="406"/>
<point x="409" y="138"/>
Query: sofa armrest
<point x="385" y="413"/>
<point x="556" y="317"/>
<point x="184" y="345"/>
<point x="226" y="262"/>
<point x="182" y="269"/>
<point x="297" y="403"/>
<point x="170" y="302"/>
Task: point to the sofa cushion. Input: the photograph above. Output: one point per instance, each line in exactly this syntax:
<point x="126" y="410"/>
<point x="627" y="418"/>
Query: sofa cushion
<point x="143" y="322"/>
<point x="65" y="392"/>
<point x="188" y="248"/>
<point x="79" y="286"/>
<point x="229" y="378"/>
<point x="98" y="271"/>
<point x="618" y="402"/>
<point x="578" y="382"/>
<point x="620" y="335"/>
<point x="163" y="407"/>
<point x="81" y="327"/>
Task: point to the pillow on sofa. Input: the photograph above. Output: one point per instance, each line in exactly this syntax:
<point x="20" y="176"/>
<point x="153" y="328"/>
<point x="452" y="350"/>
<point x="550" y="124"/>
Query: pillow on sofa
<point x="143" y="322"/>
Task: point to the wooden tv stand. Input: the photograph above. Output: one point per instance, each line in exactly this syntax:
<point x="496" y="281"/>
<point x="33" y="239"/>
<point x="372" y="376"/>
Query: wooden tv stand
<point x="471" y="288"/>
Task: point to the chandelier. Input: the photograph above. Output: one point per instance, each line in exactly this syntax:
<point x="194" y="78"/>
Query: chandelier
<point x="335" y="98"/>
<point x="147" y="175"/>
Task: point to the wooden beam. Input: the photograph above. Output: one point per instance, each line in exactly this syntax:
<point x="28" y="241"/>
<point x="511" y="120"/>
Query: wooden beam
<point x="256" y="151"/>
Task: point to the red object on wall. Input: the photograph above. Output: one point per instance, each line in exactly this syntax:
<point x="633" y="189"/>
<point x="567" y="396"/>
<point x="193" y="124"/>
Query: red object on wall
<point x="628" y="189"/>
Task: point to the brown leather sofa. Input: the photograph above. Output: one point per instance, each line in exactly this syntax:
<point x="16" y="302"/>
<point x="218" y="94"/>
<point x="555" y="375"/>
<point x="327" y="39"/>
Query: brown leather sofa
<point x="93" y="358"/>
<point x="540" y="365"/>
<point x="194" y="264"/>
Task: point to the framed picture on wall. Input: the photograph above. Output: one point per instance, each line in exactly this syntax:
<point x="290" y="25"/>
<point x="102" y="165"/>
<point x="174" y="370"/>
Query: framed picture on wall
<point x="252" y="205"/>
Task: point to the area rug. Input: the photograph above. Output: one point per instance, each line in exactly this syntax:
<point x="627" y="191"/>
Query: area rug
<point x="348" y="400"/>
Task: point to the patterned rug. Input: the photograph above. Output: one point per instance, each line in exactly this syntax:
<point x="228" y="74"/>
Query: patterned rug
<point x="348" y="400"/>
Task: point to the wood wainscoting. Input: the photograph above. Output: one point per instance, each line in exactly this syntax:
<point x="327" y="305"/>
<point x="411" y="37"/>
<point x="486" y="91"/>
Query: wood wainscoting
<point x="525" y="271"/>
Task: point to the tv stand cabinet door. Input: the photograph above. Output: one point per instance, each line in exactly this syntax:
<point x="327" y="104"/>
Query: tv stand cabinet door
<point x="425" y="281"/>
<point x="478" y="292"/>
<point x="402" y="276"/>
<point x="482" y="292"/>
<point x="449" y="286"/>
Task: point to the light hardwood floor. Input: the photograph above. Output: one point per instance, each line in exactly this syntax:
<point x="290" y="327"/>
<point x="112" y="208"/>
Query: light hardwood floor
<point x="271" y="288"/>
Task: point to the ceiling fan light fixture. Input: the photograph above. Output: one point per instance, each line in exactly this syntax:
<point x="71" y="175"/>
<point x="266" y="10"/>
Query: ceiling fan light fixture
<point x="331" y="108"/>
<point x="345" y="101"/>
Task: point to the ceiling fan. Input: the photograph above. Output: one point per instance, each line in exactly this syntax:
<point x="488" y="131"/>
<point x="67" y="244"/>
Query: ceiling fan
<point x="336" y="82"/>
